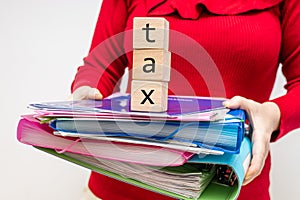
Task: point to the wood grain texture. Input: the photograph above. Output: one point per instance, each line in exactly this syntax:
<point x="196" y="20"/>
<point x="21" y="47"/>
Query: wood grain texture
<point x="149" y="96"/>
<point x="152" y="65"/>
<point x="150" y="33"/>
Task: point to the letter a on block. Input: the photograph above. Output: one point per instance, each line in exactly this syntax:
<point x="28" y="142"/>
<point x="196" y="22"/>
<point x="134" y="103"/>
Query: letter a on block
<point x="150" y="33"/>
<point x="149" y="68"/>
<point x="149" y="96"/>
<point x="151" y="65"/>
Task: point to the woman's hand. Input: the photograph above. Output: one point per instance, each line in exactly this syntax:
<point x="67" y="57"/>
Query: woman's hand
<point x="264" y="119"/>
<point x="85" y="92"/>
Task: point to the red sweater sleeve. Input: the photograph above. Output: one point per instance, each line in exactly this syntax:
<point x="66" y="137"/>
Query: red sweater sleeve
<point x="290" y="58"/>
<point x="106" y="62"/>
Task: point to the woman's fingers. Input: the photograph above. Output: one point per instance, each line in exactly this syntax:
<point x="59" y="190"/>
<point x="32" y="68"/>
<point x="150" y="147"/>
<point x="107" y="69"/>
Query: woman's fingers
<point x="264" y="119"/>
<point x="260" y="150"/>
<point x="85" y="92"/>
<point x="239" y="102"/>
<point x="94" y="93"/>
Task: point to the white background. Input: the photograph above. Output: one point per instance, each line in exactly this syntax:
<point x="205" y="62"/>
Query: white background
<point x="41" y="45"/>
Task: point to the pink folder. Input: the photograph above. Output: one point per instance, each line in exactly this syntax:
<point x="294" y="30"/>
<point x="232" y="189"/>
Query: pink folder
<point x="31" y="132"/>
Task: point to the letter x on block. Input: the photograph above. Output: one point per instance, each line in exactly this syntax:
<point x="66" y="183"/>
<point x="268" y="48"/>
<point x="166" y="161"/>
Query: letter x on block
<point x="149" y="96"/>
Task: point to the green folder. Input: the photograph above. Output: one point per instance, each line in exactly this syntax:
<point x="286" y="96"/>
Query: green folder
<point x="214" y="191"/>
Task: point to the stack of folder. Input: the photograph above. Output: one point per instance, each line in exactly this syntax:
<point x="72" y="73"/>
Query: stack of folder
<point x="195" y="150"/>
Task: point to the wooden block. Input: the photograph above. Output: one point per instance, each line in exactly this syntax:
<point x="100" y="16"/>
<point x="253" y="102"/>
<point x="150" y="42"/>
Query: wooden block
<point x="153" y="65"/>
<point x="149" y="96"/>
<point x="150" y="32"/>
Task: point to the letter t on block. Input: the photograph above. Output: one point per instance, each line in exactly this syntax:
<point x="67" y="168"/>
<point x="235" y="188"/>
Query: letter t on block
<point x="149" y="96"/>
<point x="150" y="33"/>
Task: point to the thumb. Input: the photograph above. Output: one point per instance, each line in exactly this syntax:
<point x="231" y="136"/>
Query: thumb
<point x="237" y="102"/>
<point x="94" y="93"/>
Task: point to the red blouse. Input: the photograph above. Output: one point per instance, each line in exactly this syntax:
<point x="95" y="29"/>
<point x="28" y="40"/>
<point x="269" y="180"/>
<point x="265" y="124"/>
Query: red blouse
<point x="246" y="41"/>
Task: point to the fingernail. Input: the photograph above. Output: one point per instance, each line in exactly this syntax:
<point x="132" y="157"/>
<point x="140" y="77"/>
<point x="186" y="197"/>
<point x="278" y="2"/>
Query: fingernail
<point x="98" y="96"/>
<point x="226" y="103"/>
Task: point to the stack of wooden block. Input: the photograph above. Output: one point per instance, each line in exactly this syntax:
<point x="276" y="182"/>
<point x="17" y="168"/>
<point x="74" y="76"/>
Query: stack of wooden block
<point x="151" y="64"/>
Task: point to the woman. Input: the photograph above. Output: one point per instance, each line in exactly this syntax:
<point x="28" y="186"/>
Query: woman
<point x="247" y="41"/>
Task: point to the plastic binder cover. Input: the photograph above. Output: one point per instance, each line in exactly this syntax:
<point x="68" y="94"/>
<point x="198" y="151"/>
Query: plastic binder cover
<point x="225" y="135"/>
